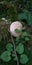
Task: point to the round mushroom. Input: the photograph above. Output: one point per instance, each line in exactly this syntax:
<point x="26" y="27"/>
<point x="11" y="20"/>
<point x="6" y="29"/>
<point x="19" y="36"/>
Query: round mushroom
<point x="15" y="25"/>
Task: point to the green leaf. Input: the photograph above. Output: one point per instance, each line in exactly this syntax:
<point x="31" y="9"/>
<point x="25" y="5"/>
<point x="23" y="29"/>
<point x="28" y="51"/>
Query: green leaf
<point x="17" y="39"/>
<point x="26" y="39"/>
<point x="9" y="47"/>
<point x="23" y="59"/>
<point x="29" y="19"/>
<point x="5" y="56"/>
<point x="17" y="30"/>
<point x="24" y="34"/>
<point x="22" y="16"/>
<point x="25" y="15"/>
<point x="20" y="48"/>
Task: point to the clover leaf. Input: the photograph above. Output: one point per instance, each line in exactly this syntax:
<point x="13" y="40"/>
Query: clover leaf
<point x="9" y="47"/>
<point x="20" y="48"/>
<point x="23" y="59"/>
<point x="24" y="34"/>
<point x="26" y="39"/>
<point x="5" y="56"/>
<point x="17" y="30"/>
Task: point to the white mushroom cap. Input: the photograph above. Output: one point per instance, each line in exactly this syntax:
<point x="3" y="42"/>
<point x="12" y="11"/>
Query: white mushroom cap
<point x="15" y="25"/>
<point x="4" y="19"/>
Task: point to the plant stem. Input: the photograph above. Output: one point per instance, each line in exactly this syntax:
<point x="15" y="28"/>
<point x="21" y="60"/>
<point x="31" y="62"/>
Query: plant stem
<point x="15" y="50"/>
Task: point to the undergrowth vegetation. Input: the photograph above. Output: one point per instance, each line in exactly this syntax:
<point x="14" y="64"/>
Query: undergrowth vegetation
<point x="16" y="50"/>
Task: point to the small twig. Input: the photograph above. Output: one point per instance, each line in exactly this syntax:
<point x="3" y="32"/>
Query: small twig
<point x="15" y="50"/>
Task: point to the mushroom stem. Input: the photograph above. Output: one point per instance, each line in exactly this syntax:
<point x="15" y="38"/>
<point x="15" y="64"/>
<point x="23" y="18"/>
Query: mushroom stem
<point x="14" y="49"/>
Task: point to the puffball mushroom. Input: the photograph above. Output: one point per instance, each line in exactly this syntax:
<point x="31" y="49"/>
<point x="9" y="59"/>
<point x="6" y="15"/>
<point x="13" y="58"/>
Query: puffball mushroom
<point x="15" y="25"/>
